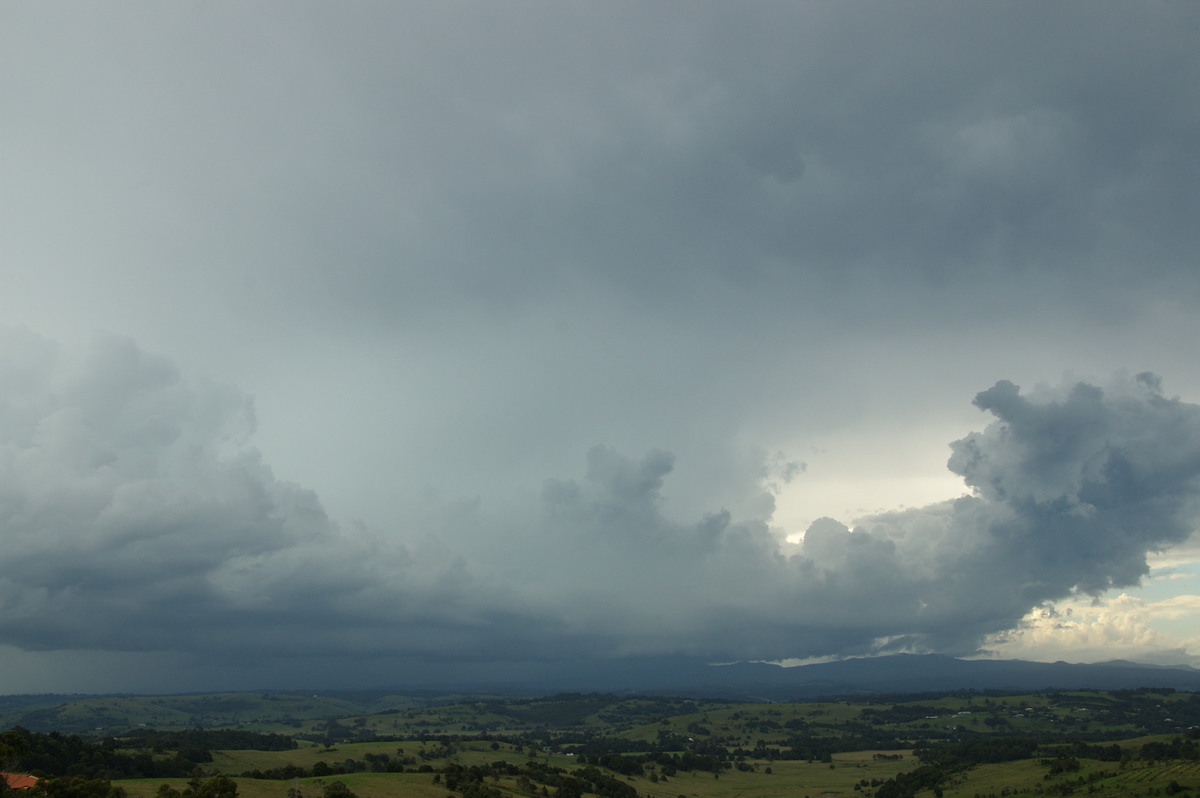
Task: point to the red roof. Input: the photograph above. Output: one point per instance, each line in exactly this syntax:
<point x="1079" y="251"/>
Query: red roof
<point x="19" y="781"/>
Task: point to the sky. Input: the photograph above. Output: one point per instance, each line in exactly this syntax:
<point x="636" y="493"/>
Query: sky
<point x="388" y="343"/>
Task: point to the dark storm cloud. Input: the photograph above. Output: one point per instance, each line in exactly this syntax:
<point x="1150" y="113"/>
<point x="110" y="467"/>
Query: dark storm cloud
<point x="657" y="253"/>
<point x="875" y="142"/>
<point x="524" y="213"/>
<point x="138" y="516"/>
<point x="381" y="164"/>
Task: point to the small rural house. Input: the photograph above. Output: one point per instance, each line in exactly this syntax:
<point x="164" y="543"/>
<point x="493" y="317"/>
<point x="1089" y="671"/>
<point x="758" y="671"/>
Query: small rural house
<point x="19" y="781"/>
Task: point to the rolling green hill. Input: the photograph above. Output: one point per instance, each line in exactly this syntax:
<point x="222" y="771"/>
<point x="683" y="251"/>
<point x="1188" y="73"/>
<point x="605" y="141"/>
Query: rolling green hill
<point x="1115" y="743"/>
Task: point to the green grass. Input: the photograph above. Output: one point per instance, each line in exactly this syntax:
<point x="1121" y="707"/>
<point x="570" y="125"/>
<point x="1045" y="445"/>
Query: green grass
<point x="731" y="725"/>
<point x="365" y="785"/>
<point x="636" y="718"/>
<point x="235" y="763"/>
<point x="788" y="780"/>
<point x="1139" y="779"/>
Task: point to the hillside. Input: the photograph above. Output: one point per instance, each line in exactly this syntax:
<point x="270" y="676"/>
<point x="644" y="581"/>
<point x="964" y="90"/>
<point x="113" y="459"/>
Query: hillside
<point x="1107" y="743"/>
<point x="893" y="675"/>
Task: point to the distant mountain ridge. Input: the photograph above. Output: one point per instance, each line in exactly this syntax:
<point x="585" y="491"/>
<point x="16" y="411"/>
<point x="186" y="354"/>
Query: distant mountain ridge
<point x="922" y="673"/>
<point x="897" y="673"/>
<point x="894" y="675"/>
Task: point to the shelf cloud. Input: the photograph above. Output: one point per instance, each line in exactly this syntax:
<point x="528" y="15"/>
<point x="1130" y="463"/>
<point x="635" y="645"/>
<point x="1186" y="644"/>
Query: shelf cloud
<point x="140" y="517"/>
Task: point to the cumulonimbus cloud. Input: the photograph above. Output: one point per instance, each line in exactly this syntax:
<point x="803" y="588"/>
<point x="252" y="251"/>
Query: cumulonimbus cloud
<point x="137" y="515"/>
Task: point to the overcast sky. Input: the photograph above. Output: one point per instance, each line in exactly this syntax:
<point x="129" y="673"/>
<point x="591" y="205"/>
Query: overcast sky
<point x="360" y="344"/>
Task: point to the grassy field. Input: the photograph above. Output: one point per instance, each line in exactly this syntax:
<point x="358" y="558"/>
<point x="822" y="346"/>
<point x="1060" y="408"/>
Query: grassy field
<point x="759" y="741"/>
<point x="115" y="713"/>
<point x="786" y="780"/>
<point x="267" y="712"/>
<point x="762" y="779"/>
<point x="792" y="779"/>
<point x="341" y="716"/>
<point x="238" y="762"/>
<point x="365" y="785"/>
<point x="1100" y="779"/>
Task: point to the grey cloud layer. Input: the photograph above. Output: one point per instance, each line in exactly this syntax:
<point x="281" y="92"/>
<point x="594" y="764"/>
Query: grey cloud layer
<point x="643" y="226"/>
<point x="452" y="250"/>
<point x="138" y="516"/>
<point x="384" y="163"/>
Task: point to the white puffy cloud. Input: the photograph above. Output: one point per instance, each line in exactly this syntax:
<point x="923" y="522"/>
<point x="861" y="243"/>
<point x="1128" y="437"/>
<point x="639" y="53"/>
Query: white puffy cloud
<point x="1098" y="630"/>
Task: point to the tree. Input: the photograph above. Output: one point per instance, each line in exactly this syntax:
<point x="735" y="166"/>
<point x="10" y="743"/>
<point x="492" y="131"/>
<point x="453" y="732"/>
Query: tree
<point x="215" y="787"/>
<point x="337" y="789"/>
<point x="76" y="788"/>
<point x="12" y="747"/>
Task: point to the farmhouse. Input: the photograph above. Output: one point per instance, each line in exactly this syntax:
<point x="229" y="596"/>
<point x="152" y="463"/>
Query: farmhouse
<point x="19" y="781"/>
